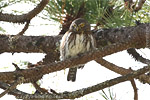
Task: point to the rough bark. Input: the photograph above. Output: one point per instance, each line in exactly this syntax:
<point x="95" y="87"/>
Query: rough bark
<point x="38" y="44"/>
<point x="29" y="44"/>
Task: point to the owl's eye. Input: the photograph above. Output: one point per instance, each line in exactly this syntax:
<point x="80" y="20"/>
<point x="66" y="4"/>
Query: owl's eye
<point x="81" y="25"/>
<point x="75" y="26"/>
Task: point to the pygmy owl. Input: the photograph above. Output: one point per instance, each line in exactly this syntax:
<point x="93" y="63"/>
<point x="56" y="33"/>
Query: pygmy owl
<point x="77" y="40"/>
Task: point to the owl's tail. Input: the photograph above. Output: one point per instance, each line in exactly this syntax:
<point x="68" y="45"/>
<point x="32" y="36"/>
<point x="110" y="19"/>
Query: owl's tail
<point x="72" y="74"/>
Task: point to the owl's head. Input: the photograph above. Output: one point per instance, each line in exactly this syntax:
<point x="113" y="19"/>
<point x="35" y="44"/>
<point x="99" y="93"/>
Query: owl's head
<point x="79" y="25"/>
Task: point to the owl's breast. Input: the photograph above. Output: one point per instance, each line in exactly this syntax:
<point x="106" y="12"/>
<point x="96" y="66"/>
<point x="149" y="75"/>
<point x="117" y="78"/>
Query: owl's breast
<point x="76" y="44"/>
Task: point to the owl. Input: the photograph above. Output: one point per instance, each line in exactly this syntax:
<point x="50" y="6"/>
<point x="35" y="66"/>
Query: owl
<point x="77" y="40"/>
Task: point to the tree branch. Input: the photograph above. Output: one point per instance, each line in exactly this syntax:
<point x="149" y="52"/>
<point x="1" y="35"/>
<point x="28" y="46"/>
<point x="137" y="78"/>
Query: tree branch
<point x="137" y="56"/>
<point x="135" y="39"/>
<point x="140" y="5"/>
<point x="135" y="89"/>
<point x="85" y="91"/>
<point x="30" y="44"/>
<point x="24" y="17"/>
<point x="25" y="28"/>
<point x="120" y="70"/>
<point x="14" y="92"/>
<point x="13" y="86"/>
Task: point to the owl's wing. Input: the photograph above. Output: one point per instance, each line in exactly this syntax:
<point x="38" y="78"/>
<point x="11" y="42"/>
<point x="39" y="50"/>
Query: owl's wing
<point x="93" y="41"/>
<point x="63" y="44"/>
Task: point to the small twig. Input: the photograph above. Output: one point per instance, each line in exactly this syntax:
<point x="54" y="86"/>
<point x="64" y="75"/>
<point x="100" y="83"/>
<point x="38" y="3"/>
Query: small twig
<point x="43" y="90"/>
<point x="15" y="38"/>
<point x="25" y="28"/>
<point x="16" y="66"/>
<point x="53" y="91"/>
<point x="137" y="56"/>
<point x="38" y="88"/>
<point x="135" y="89"/>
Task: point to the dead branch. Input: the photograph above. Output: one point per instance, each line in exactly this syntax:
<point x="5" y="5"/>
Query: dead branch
<point x="85" y="91"/>
<point x="24" y="17"/>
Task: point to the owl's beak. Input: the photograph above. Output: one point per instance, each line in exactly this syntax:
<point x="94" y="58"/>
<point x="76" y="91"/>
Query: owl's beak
<point x="77" y="29"/>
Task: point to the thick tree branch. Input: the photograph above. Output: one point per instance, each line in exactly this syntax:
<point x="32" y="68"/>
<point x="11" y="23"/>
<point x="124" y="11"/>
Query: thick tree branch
<point x="85" y="91"/>
<point x="24" y="17"/>
<point x="30" y="44"/>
